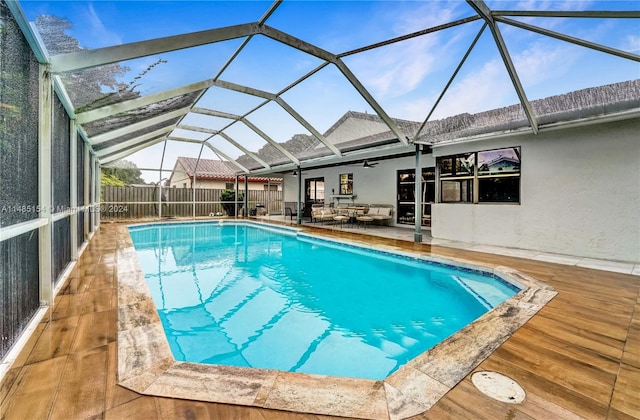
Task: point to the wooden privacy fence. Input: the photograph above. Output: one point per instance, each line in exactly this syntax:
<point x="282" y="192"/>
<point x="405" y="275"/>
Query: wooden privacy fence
<point x="142" y="202"/>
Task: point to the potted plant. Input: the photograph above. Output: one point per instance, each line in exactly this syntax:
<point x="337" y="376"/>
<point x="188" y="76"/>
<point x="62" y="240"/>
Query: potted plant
<point x="228" y="198"/>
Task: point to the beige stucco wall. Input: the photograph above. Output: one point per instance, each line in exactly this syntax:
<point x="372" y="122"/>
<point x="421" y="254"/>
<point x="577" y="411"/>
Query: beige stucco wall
<point x="580" y="193"/>
<point x="371" y="185"/>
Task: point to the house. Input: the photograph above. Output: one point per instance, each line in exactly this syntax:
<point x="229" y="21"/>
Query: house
<point x="557" y="175"/>
<point x="215" y="174"/>
<point x="488" y="179"/>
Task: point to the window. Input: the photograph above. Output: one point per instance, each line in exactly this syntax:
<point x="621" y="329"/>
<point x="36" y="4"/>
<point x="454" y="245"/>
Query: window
<point x="407" y="187"/>
<point x="346" y="184"/>
<point x="428" y="185"/>
<point x="314" y="189"/>
<point x="499" y="176"/>
<point x="491" y="176"/>
<point x="230" y="185"/>
<point x="406" y="180"/>
<point x="456" y="178"/>
<point x="271" y="187"/>
<point x="428" y="194"/>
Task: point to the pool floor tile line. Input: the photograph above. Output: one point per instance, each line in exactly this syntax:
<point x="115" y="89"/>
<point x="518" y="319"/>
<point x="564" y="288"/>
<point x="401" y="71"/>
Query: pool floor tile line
<point x="587" y="335"/>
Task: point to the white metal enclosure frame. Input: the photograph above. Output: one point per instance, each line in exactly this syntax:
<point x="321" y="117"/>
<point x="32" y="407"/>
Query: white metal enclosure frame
<point x="171" y="119"/>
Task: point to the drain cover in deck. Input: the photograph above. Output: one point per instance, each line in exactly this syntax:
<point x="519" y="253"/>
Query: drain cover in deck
<point x="498" y="386"/>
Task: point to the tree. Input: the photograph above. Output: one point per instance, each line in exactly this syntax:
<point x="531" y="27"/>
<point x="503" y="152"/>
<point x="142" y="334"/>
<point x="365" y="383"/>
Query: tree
<point x="228" y="198"/>
<point x="85" y="87"/>
<point x="123" y="172"/>
<point x="111" y="181"/>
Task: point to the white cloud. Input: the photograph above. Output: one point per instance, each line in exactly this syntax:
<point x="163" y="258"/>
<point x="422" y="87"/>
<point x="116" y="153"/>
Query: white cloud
<point x="550" y="5"/>
<point x="396" y="70"/>
<point x="99" y="32"/>
<point x="400" y="68"/>
<point x="542" y="62"/>
<point x="553" y="5"/>
<point x="632" y="43"/>
<point x="490" y="87"/>
<point x="403" y="68"/>
<point x="428" y="14"/>
<point x="486" y="88"/>
<point x="415" y="110"/>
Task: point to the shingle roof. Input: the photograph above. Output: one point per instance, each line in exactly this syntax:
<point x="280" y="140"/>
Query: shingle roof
<point x="358" y="130"/>
<point x="572" y="106"/>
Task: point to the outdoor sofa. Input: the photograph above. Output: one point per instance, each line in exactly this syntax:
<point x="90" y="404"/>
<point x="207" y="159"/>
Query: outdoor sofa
<point x="381" y="213"/>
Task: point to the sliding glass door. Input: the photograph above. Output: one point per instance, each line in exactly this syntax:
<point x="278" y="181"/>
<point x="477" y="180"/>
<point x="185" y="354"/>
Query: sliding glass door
<point x="313" y="193"/>
<point x="406" y="184"/>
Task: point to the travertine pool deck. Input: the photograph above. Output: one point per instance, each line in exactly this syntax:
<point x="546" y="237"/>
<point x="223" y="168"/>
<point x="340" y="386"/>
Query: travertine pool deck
<point x="146" y="365"/>
<point x="578" y="357"/>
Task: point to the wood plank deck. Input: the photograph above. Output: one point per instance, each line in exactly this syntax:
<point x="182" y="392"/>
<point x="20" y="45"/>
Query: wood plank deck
<point x="579" y="357"/>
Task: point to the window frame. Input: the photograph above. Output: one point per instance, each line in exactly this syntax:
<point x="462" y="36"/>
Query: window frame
<point x="454" y="174"/>
<point x="345" y="183"/>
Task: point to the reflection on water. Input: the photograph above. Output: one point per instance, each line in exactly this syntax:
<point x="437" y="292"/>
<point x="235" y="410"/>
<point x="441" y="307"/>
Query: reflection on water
<point x="243" y="296"/>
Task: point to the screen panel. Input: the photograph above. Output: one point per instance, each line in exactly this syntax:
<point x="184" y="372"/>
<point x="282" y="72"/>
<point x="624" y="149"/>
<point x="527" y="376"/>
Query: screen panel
<point x="18" y="125"/>
<point x="60" y="158"/>
<point x="19" y="286"/>
<point x="61" y="247"/>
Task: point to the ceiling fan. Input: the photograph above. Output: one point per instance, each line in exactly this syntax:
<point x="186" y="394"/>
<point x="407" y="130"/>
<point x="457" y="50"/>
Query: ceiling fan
<point x="365" y="164"/>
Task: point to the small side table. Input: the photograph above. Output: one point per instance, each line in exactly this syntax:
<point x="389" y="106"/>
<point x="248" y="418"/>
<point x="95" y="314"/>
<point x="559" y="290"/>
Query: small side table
<point x="365" y="220"/>
<point x="342" y="219"/>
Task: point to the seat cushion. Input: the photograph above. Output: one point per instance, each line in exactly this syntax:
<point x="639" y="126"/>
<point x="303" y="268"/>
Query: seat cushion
<point x="384" y="211"/>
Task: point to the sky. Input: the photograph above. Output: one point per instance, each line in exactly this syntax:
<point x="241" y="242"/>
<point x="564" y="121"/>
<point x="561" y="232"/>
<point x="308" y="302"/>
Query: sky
<point x="405" y="78"/>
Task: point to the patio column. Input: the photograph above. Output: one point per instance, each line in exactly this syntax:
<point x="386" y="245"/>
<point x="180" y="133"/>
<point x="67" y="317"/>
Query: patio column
<point x="235" y="200"/>
<point x="97" y="188"/>
<point x="193" y="194"/>
<point x="299" y="212"/>
<point x="246" y="195"/>
<point x="87" y="189"/>
<point x="195" y="178"/>
<point x="417" y="236"/>
<point x="164" y="149"/>
<point x="268" y="203"/>
<point x="45" y="194"/>
<point x="73" y="186"/>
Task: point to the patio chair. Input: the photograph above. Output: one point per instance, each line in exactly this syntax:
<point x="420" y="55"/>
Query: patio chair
<point x="288" y="211"/>
<point x="319" y="212"/>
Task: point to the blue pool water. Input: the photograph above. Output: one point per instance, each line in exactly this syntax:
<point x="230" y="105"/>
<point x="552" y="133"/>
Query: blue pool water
<point x="240" y="295"/>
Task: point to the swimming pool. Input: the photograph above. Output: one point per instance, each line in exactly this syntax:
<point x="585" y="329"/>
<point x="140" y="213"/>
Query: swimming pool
<point x="256" y="297"/>
<point x="147" y="366"/>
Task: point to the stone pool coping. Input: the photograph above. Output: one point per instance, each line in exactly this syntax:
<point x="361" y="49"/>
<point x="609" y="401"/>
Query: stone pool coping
<point x="146" y="364"/>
